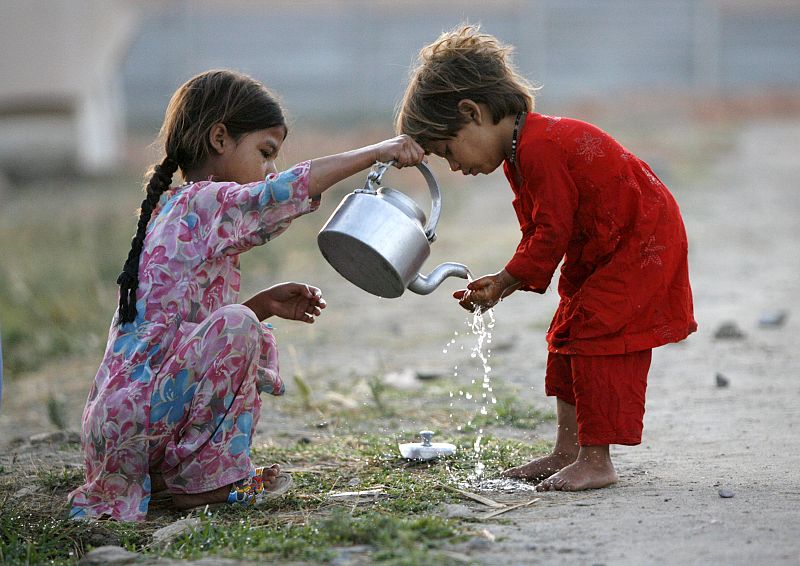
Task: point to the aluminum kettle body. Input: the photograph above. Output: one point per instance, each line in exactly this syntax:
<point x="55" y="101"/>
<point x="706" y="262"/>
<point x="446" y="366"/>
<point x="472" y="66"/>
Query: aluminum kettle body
<point x="375" y="239"/>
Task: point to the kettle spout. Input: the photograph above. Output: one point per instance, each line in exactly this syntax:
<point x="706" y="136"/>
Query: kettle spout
<point x="425" y="284"/>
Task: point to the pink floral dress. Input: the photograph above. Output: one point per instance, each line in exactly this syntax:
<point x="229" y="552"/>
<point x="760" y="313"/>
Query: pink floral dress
<point x="178" y="389"/>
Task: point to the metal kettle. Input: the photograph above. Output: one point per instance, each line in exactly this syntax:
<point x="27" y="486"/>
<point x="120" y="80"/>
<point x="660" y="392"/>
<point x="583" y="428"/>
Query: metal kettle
<point x="376" y="240"/>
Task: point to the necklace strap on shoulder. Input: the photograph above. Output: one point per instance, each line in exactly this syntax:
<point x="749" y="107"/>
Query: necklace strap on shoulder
<point x="515" y="138"/>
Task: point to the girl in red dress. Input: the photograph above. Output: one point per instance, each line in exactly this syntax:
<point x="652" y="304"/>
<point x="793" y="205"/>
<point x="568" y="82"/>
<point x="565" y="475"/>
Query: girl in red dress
<point x="580" y="197"/>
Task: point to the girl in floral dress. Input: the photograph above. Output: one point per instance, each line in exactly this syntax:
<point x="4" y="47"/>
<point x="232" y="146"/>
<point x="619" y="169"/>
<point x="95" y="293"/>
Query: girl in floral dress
<point x="175" y="402"/>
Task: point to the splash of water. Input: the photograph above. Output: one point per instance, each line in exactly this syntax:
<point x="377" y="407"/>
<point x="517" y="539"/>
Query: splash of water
<point x="480" y="327"/>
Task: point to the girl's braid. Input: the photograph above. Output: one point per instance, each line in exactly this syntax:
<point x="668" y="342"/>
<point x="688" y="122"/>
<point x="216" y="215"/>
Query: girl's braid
<point x="128" y="280"/>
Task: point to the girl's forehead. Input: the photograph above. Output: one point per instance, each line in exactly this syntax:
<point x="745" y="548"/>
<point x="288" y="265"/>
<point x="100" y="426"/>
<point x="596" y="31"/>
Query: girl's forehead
<point x="273" y="136"/>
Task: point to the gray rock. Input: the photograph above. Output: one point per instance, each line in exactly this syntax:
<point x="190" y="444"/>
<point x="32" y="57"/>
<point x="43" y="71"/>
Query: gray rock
<point x="166" y="535"/>
<point x="26" y="492"/>
<point x="108" y="555"/>
<point x="457" y="511"/>
<point x="479" y="543"/>
<point x="721" y="380"/>
<point x="729" y="331"/>
<point x="773" y="319"/>
<point x="428" y="374"/>
<point x="350" y="555"/>
<point x="726" y="493"/>
<point x="216" y="561"/>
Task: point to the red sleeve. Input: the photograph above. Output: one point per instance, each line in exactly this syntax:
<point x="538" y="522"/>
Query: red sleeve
<point x="546" y="205"/>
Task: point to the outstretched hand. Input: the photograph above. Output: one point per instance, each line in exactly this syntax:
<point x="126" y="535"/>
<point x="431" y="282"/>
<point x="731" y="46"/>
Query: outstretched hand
<point x="485" y="292"/>
<point x="292" y="301"/>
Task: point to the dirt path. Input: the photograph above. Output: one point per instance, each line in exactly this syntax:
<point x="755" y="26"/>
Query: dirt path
<point x="699" y="438"/>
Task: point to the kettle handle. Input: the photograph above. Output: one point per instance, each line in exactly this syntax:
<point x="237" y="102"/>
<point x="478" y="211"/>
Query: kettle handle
<point x="433" y="186"/>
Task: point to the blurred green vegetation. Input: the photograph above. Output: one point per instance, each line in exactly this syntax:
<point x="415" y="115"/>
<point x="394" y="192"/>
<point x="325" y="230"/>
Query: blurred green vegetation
<point x="62" y="246"/>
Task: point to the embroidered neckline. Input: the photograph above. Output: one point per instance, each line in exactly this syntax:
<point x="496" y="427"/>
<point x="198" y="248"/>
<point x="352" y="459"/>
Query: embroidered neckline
<point x="515" y="138"/>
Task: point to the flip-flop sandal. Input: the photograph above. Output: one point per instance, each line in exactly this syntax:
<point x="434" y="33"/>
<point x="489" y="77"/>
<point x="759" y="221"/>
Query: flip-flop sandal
<point x="253" y="492"/>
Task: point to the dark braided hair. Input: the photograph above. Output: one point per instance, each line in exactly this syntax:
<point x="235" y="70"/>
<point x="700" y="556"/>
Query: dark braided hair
<point x="128" y="280"/>
<point x="240" y="103"/>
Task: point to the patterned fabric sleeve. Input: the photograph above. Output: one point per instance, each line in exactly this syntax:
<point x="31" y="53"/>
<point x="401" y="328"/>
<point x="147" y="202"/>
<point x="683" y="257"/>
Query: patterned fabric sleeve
<point x="553" y="200"/>
<point x="234" y="218"/>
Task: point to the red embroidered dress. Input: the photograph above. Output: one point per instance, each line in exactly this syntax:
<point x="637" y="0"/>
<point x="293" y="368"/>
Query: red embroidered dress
<point x="584" y="198"/>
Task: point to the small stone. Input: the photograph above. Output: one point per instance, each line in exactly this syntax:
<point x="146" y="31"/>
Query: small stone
<point x="345" y="556"/>
<point x="729" y="331"/>
<point x="165" y="535"/>
<point x="26" y="492"/>
<point x="457" y="511"/>
<point x="479" y="543"/>
<point x="108" y="555"/>
<point x="773" y="318"/>
<point x="726" y="493"/>
<point x="428" y="374"/>
<point x="721" y="380"/>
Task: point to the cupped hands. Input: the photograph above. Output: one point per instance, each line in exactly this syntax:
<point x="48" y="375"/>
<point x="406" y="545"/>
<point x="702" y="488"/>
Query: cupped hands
<point x="485" y="292"/>
<point x="291" y="301"/>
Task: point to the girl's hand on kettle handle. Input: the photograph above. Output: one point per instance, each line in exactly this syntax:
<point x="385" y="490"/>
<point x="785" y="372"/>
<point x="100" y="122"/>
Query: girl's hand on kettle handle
<point x="403" y="150"/>
<point x="327" y="171"/>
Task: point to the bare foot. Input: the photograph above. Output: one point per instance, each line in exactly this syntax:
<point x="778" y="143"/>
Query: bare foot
<point x="188" y="500"/>
<point x="541" y="468"/>
<point x="592" y="470"/>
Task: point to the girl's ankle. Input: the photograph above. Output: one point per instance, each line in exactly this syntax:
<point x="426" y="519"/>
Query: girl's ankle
<point x="189" y="500"/>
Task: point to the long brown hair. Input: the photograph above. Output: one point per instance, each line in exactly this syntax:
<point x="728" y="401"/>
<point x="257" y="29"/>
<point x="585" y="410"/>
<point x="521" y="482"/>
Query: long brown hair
<point x="461" y="64"/>
<point x="236" y="100"/>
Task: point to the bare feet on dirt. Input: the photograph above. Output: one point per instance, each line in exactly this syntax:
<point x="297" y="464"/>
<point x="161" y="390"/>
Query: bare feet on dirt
<point x="592" y="469"/>
<point x="541" y="468"/>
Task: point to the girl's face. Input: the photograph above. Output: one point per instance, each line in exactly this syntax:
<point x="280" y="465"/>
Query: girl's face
<point x="250" y="158"/>
<point x="478" y="147"/>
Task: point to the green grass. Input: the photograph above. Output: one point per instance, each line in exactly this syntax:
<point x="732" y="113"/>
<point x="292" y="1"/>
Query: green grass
<point x="392" y="539"/>
<point x="41" y="534"/>
<point x="400" y="527"/>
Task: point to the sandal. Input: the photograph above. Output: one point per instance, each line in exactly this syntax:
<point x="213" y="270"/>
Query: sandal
<point x="253" y="492"/>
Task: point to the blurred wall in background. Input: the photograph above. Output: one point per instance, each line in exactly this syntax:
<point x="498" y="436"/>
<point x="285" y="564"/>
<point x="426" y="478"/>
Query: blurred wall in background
<point x="61" y="99"/>
<point x="345" y="62"/>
